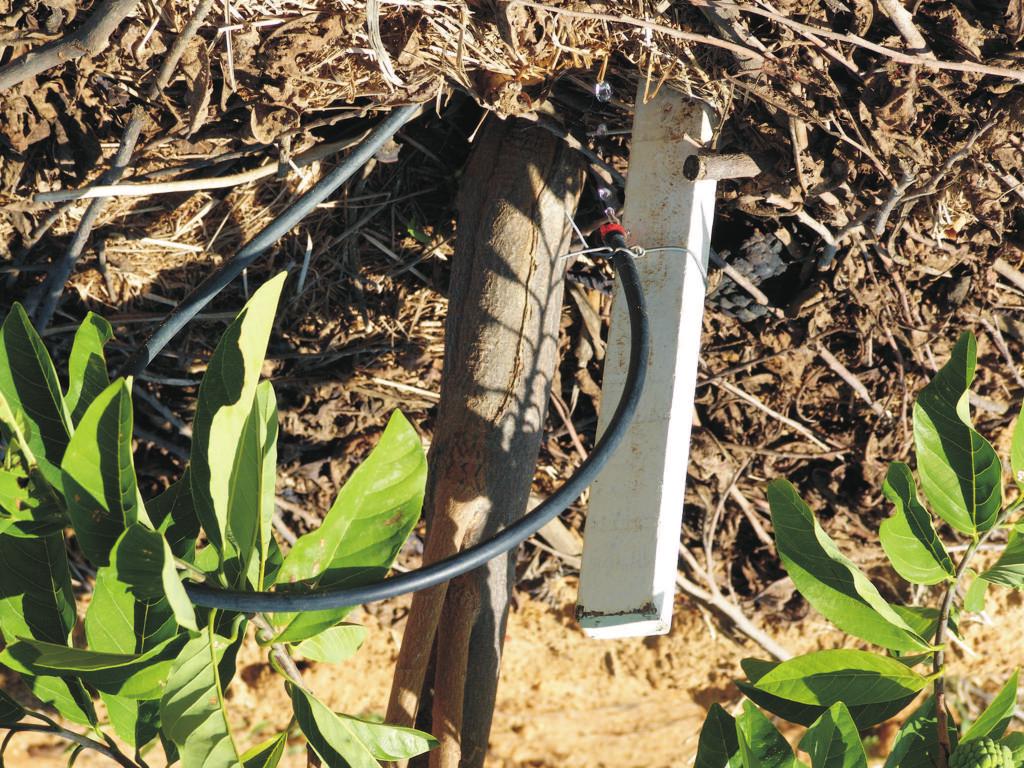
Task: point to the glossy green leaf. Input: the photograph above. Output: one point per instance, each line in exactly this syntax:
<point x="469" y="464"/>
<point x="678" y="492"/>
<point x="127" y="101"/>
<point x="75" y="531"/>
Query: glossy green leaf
<point x="831" y="582"/>
<point x="133" y="676"/>
<point x="718" y="746"/>
<point x="87" y="365"/>
<point x="833" y="741"/>
<point x="193" y="712"/>
<point x="1008" y="570"/>
<point x="917" y="744"/>
<point x="993" y="721"/>
<point x="343" y="740"/>
<point x="173" y="514"/>
<point x="99" y="473"/>
<point x="37" y="601"/>
<point x="252" y="491"/>
<point x="908" y="537"/>
<point x="10" y="710"/>
<point x="225" y="400"/>
<point x="864" y="715"/>
<point x="29" y="384"/>
<point x="143" y="560"/>
<point x="960" y="471"/>
<point x="364" y="529"/>
<point x="333" y="645"/>
<point x="268" y="754"/>
<point x="761" y="744"/>
<point x="851" y="676"/>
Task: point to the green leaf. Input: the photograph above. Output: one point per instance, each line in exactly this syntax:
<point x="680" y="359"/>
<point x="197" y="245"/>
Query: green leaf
<point x="1015" y="741"/>
<point x="266" y="755"/>
<point x="252" y="491"/>
<point x="364" y="529"/>
<point x="333" y="645"/>
<point x="908" y="537"/>
<point x="193" y="713"/>
<point x="761" y="745"/>
<point x="37" y="601"/>
<point x="1017" y="450"/>
<point x="29" y="384"/>
<point x="10" y="711"/>
<point x="117" y="622"/>
<point x="133" y="676"/>
<point x="864" y="715"/>
<point x="921" y="618"/>
<point x="717" y="746"/>
<point x="135" y="722"/>
<point x="851" y="676"/>
<point x="1008" y="570"/>
<point x="960" y="472"/>
<point x="225" y="399"/>
<point x="99" y="473"/>
<point x="343" y="740"/>
<point x="997" y="715"/>
<point x="974" y="600"/>
<point x="833" y="741"/>
<point x="916" y="744"/>
<point x="33" y="507"/>
<point x="174" y="515"/>
<point x="831" y="582"/>
<point x="143" y="560"/>
<point x="87" y="366"/>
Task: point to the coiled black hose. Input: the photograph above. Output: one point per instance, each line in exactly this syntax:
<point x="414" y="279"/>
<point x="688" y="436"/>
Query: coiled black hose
<point x="469" y="559"/>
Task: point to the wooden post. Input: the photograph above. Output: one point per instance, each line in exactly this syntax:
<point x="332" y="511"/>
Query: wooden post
<point x="631" y="539"/>
<point x="501" y="347"/>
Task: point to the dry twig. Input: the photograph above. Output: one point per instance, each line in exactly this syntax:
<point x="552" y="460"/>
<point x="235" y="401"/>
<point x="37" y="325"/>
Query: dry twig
<point x="796" y="425"/>
<point x="88" y="40"/>
<point x="42" y="301"/>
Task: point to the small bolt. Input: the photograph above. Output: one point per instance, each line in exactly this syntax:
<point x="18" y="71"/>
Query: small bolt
<point x="602" y="91"/>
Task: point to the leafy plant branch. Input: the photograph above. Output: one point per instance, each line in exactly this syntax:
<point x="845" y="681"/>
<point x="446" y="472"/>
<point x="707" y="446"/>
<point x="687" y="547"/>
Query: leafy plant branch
<point x="837" y="693"/>
<point x="162" y="667"/>
<point x="941" y="629"/>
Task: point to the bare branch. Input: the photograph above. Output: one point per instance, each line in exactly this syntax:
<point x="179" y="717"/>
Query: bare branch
<point x="88" y="40"/>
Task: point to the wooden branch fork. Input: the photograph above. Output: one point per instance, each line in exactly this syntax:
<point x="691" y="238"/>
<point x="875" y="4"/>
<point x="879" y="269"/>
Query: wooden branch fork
<point x="501" y="346"/>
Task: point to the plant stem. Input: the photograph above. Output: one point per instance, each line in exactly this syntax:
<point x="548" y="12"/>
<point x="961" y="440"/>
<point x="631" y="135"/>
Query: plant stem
<point x="283" y="662"/>
<point x="939" y="660"/>
<point x="278" y="651"/>
<point x="84" y="741"/>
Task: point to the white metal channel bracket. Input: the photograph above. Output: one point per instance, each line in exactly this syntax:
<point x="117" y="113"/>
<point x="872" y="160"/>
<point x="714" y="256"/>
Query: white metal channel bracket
<point x="631" y="542"/>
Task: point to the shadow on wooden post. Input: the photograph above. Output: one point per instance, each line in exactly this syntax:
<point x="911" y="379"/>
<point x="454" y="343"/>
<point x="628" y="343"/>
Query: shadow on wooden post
<point x="501" y="346"/>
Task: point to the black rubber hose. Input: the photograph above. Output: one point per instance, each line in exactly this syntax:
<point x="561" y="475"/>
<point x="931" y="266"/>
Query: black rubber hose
<point x="192" y="304"/>
<point x="474" y="557"/>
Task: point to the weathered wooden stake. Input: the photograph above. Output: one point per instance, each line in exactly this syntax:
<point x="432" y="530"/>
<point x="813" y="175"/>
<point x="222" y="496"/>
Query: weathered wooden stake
<point x="501" y="344"/>
<point x="631" y="539"/>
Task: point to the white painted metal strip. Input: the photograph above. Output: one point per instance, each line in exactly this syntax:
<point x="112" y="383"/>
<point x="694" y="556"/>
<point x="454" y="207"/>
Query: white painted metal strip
<point x="631" y="541"/>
